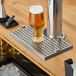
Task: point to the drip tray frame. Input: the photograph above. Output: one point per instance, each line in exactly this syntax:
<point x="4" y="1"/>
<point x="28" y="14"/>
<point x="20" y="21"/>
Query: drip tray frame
<point x="46" y="49"/>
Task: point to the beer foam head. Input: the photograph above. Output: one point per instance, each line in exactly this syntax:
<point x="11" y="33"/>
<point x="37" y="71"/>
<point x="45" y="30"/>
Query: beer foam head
<point x="36" y="9"/>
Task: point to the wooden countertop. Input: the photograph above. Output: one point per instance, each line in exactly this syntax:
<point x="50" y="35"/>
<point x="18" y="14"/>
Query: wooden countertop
<point x="20" y="8"/>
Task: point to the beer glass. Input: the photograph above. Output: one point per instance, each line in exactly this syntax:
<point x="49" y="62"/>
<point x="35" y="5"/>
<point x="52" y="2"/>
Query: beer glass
<point x="36" y="21"/>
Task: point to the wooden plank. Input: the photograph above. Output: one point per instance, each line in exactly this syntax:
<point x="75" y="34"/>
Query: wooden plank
<point x="20" y="8"/>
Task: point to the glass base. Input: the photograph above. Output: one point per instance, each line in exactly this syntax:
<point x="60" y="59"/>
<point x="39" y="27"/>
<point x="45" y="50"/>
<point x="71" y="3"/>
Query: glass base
<point x="35" y="39"/>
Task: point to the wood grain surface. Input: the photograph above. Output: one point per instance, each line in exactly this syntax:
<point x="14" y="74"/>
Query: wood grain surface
<point x="20" y="8"/>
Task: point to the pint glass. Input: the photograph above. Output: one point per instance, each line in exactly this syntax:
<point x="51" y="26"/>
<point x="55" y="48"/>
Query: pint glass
<point x="36" y="21"/>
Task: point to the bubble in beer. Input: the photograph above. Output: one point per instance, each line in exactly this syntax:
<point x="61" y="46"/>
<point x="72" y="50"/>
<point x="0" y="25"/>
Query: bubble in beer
<point x="36" y="9"/>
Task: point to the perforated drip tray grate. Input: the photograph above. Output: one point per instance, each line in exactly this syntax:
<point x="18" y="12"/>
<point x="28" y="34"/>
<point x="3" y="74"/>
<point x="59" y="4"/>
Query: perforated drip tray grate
<point x="46" y="49"/>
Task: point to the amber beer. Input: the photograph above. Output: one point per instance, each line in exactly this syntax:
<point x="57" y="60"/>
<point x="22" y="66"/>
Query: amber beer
<point x="36" y="20"/>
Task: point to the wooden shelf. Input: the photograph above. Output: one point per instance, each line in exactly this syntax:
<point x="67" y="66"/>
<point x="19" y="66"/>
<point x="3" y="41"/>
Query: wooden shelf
<point x="20" y="8"/>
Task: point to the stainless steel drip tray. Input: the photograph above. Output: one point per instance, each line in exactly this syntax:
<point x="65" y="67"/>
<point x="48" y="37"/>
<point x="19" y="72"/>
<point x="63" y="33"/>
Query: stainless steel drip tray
<point x="46" y="49"/>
